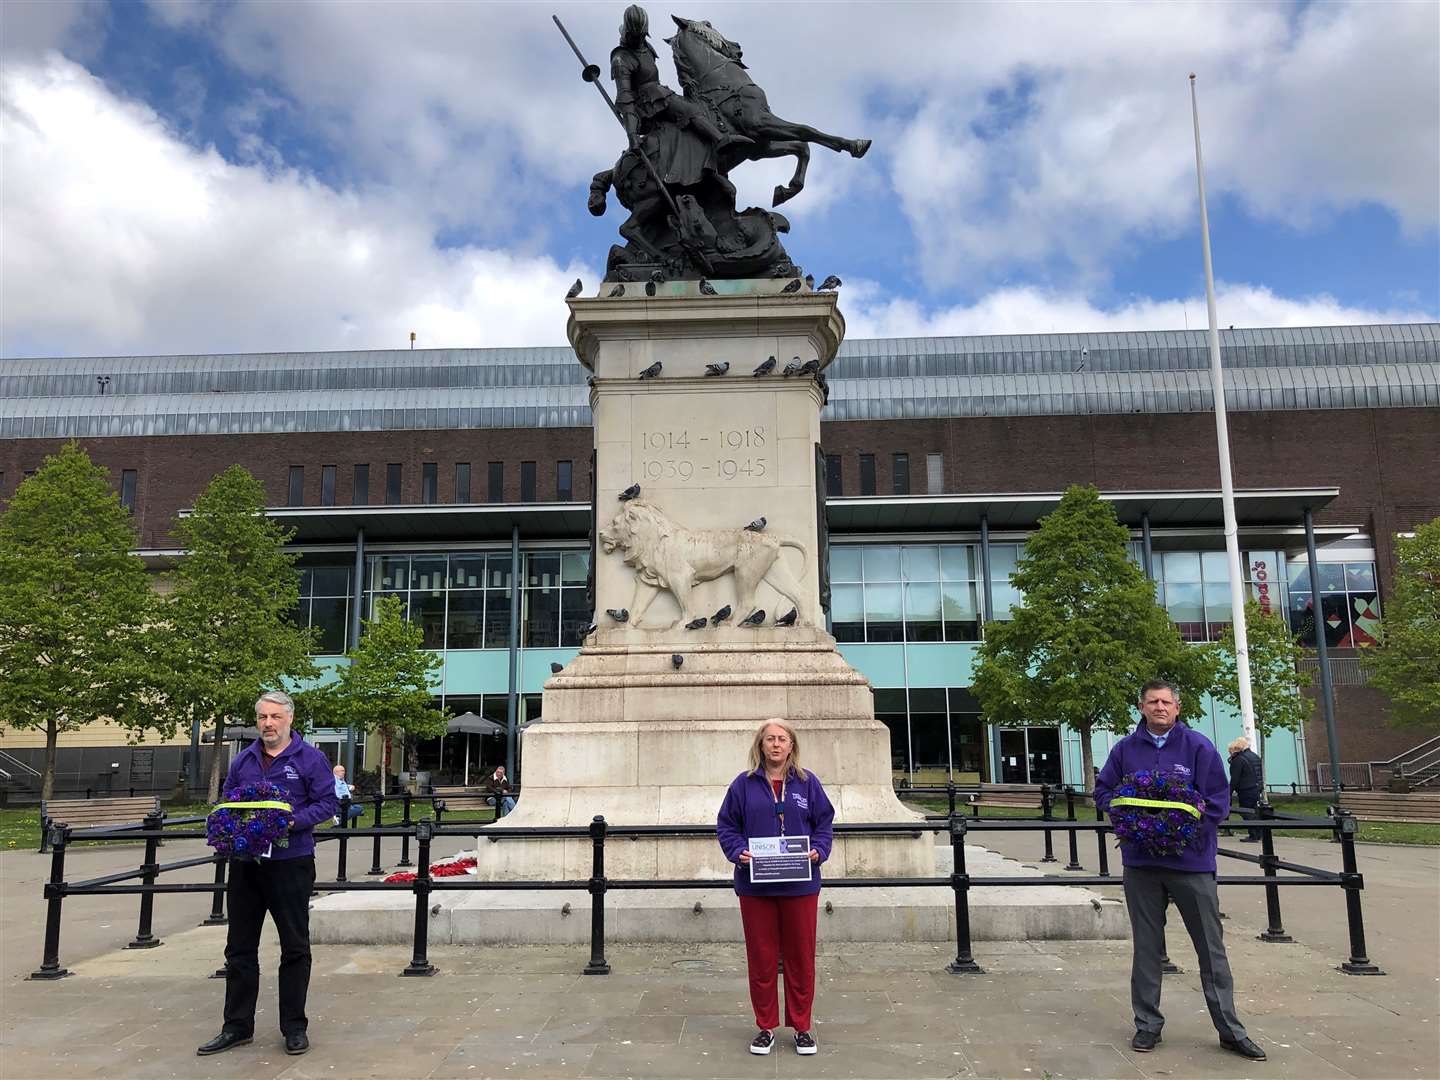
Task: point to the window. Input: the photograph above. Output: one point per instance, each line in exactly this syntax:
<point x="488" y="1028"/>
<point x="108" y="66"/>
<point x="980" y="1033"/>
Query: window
<point x="911" y="592"/>
<point x="867" y="474"/>
<point x="360" y="491"/>
<point x="325" y="598"/>
<point x="527" y="481"/>
<point x="429" y="482"/>
<point x="900" y="473"/>
<point x="1349" y="603"/>
<point x="564" y="471"/>
<point x="462" y="481"/>
<point x="297" y="485"/>
<point x="496" y="482"/>
<point x="393" y="475"/>
<point x="1003" y="595"/>
<point x="934" y="474"/>
<point x="834" y="483"/>
<point x="127" y="489"/>
<point x="327" y="485"/>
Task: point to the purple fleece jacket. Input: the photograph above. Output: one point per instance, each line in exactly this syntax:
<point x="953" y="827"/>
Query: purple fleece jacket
<point x="303" y="771"/>
<point x="1138" y="751"/>
<point x="749" y="810"/>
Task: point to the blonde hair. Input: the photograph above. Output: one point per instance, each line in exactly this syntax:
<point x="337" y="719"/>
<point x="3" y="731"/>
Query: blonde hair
<point x="1241" y="743"/>
<point x="757" y="756"/>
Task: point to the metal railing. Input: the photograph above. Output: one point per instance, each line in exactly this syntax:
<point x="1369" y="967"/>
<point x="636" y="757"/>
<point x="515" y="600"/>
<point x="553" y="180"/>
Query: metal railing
<point x="955" y="825"/>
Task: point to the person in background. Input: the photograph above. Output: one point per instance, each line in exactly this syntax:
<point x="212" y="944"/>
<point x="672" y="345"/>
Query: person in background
<point x="343" y="791"/>
<point x="776" y="797"/>
<point x="1245" y="783"/>
<point x="1161" y="741"/>
<point x="499" y="787"/>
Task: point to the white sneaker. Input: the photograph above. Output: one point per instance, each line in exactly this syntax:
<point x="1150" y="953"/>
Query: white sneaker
<point x="762" y="1042"/>
<point x="805" y="1043"/>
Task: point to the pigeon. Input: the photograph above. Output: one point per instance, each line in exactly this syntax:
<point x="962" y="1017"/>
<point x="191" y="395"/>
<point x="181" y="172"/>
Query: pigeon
<point x="717" y="369"/>
<point x="810" y="367"/>
<point x="766" y="368"/>
<point x="788" y="620"/>
<point x="792" y="368"/>
<point x="657" y="277"/>
<point x="555" y="669"/>
<point x="676" y="659"/>
<point x="793" y="287"/>
<point x="706" y="289"/>
<point x="591" y="629"/>
<point x="651" y="371"/>
<point x="575" y="289"/>
<point x="721" y="615"/>
<point x="697" y="624"/>
<point x="590" y="382"/>
<point x="782" y="270"/>
<point x="830" y="284"/>
<point x="810" y="282"/>
<point x="824" y="385"/>
<point x="618" y="614"/>
<point x="618" y="290"/>
<point x="755" y="618"/>
<point x="632" y="492"/>
<point x="649" y="288"/>
<point x="758" y="525"/>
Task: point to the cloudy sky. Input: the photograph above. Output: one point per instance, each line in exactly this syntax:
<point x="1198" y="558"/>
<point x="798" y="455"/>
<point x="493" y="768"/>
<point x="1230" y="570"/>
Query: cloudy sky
<point x="185" y="176"/>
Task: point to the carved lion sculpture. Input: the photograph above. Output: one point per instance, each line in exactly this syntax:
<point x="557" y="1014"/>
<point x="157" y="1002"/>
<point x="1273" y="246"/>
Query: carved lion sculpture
<point x="667" y="556"/>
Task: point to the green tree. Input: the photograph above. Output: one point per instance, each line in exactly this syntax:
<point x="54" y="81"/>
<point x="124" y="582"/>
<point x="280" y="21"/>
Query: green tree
<point x="74" y="604"/>
<point x="1088" y="634"/>
<point x="386" y="685"/>
<point x="1276" y="681"/>
<point x="1406" y="665"/>
<point x="229" y="632"/>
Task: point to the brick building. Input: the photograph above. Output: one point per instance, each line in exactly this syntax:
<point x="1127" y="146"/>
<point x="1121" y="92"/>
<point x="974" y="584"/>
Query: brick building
<point x="436" y="470"/>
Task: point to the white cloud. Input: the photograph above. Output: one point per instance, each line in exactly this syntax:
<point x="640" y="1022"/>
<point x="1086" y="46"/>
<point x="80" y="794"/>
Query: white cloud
<point x="1028" y="310"/>
<point x="119" y="237"/>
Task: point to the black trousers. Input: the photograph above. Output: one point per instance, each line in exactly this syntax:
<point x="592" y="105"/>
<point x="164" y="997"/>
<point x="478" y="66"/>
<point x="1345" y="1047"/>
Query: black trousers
<point x="282" y="887"/>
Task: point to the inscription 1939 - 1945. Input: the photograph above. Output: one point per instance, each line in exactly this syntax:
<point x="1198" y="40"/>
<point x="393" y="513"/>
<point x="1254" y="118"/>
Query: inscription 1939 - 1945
<point x="701" y="456"/>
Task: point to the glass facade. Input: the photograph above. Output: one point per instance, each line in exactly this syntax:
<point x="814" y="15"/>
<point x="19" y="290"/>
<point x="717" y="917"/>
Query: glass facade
<point x="905" y="592"/>
<point x="325" y="598"/>
<point x="1349" y="603"/>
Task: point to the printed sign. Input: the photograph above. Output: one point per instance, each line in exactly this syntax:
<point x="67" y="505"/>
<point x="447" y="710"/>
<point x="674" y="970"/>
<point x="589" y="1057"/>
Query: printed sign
<point x="777" y="859"/>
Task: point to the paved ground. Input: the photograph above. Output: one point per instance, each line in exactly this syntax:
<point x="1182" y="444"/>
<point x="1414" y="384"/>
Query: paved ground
<point x="1042" y="1009"/>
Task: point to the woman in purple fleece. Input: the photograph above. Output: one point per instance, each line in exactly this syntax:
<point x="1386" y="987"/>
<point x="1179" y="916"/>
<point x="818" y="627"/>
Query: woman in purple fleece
<point x="776" y="797"/>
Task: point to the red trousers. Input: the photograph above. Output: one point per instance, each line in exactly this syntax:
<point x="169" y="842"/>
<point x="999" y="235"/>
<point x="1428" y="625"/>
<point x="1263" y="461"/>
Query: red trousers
<point x="780" y="927"/>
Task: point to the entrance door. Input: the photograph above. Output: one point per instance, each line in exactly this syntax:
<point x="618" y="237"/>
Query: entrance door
<point x="1044" y="755"/>
<point x="1014" y="765"/>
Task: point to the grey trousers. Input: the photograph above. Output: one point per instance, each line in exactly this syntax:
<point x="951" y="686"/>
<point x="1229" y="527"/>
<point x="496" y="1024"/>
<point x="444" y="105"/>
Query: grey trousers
<point x="1195" y="895"/>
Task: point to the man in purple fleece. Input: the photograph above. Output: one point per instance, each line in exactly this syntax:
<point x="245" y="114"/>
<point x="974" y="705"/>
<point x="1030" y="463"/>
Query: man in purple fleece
<point x="1161" y="741"/>
<point x="279" y="883"/>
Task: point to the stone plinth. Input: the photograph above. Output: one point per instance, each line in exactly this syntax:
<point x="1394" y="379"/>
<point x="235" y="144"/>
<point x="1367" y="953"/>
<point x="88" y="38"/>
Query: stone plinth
<point x="628" y="732"/>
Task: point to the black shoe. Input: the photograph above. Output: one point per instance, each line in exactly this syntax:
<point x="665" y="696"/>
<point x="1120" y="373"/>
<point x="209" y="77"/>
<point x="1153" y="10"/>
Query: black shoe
<point x="299" y="1043"/>
<point x="222" y="1042"/>
<point x="805" y="1043"/>
<point x="1144" y="1041"/>
<point x="1244" y="1047"/>
<point x="762" y="1042"/>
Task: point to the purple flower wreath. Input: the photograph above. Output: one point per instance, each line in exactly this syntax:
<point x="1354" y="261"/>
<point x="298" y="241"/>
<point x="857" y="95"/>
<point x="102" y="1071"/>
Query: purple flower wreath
<point x="245" y="831"/>
<point x="1159" y="811"/>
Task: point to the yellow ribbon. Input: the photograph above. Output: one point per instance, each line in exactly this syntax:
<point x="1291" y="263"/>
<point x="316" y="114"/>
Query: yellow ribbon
<point x="1156" y="804"/>
<point x="262" y="804"/>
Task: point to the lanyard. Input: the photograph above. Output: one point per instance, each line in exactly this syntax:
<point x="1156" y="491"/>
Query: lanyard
<point x="780" y="805"/>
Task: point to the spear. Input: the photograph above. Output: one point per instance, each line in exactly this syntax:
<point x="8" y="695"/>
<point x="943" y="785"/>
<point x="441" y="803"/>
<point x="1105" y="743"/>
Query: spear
<point x="591" y="74"/>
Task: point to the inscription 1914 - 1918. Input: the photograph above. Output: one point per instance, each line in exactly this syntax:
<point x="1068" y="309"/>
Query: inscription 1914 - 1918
<point x="698" y="456"/>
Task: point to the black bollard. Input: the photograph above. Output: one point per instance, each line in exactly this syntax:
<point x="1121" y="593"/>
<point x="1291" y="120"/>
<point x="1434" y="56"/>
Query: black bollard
<point x="375" y="867"/>
<point x="964" y="962"/>
<point x="950" y="796"/>
<point x="57" y="838"/>
<point x="217" y="898"/>
<point x="1352" y="882"/>
<point x="144" y="939"/>
<point x="597" y="964"/>
<point x="1047" y="806"/>
<point x="1074" y="863"/>
<point x="405" y="837"/>
<point x="420" y="960"/>
<point x="1274" y="929"/>
<point x="344" y="838"/>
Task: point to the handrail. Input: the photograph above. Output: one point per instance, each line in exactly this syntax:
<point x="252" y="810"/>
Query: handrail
<point x="1425" y="746"/>
<point x="13" y="760"/>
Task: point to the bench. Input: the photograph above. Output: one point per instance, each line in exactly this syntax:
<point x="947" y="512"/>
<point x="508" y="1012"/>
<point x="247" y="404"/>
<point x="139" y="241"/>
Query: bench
<point x="460" y="799"/>
<point x="1391" y="806"/>
<point x="94" y="813"/>
<point x="1026" y="796"/>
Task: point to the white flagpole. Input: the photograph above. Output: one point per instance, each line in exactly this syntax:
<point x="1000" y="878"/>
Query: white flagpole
<point x="1222" y="438"/>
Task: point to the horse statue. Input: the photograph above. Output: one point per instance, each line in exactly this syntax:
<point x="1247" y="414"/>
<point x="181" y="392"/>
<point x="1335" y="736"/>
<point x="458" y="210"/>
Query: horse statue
<point x="674" y="177"/>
